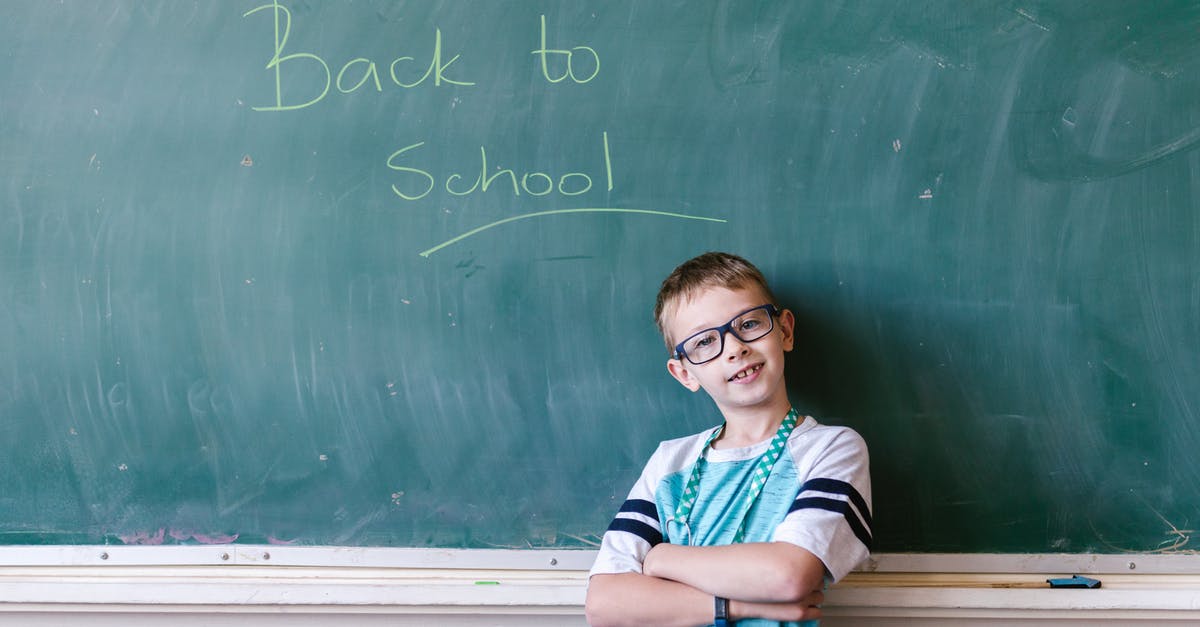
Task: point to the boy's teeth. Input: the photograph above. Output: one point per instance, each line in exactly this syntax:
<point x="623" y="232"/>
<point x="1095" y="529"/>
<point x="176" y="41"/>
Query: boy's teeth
<point x="745" y="373"/>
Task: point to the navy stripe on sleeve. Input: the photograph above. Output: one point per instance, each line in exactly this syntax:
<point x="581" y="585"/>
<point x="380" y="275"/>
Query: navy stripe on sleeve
<point x="834" y="486"/>
<point x="637" y="528"/>
<point x="641" y="506"/>
<point x="838" y="507"/>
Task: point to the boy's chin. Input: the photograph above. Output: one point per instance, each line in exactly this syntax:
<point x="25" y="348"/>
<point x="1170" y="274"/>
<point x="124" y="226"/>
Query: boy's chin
<point x="744" y="402"/>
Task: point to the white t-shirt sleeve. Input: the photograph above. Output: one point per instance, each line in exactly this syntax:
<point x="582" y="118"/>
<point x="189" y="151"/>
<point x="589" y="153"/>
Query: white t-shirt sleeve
<point x="635" y="529"/>
<point x="831" y="516"/>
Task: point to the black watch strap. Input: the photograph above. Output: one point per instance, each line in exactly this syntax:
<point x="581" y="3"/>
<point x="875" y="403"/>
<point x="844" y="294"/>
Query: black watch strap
<point x="721" y="612"/>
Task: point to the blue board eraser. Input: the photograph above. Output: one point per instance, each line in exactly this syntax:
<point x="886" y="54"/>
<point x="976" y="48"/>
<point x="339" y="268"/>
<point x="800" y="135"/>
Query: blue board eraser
<point x="1075" y="581"/>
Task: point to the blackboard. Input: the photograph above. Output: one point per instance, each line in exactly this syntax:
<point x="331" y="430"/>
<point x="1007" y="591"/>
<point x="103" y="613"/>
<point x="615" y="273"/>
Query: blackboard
<point x="381" y="273"/>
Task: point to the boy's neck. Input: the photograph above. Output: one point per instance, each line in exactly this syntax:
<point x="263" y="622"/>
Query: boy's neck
<point x="749" y="428"/>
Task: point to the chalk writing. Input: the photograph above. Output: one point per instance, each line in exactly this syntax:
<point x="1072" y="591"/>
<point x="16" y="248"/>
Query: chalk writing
<point x="580" y="64"/>
<point x="360" y="68"/>
<point x="533" y="183"/>
<point x="544" y="52"/>
<point x="539" y="214"/>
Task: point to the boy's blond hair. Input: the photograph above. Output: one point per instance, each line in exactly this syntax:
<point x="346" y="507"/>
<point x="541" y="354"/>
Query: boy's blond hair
<point x="712" y="269"/>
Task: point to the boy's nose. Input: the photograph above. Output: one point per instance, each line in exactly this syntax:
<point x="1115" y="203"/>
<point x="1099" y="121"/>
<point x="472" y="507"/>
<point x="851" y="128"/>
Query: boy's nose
<point x="734" y="346"/>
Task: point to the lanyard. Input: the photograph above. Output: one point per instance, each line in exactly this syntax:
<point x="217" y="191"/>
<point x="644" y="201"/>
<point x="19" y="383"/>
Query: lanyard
<point x="762" y="470"/>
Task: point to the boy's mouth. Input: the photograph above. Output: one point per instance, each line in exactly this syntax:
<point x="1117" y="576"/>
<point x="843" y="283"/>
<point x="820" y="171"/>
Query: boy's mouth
<point x="747" y="372"/>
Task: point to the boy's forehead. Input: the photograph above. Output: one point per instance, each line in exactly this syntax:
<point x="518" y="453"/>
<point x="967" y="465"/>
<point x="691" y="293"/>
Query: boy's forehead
<point x="711" y="305"/>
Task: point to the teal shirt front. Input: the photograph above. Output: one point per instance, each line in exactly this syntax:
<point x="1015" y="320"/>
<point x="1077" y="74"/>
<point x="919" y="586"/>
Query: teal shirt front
<point x="718" y="512"/>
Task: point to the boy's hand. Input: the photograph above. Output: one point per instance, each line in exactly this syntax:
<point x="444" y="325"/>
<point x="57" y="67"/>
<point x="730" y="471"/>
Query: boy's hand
<point x="807" y="608"/>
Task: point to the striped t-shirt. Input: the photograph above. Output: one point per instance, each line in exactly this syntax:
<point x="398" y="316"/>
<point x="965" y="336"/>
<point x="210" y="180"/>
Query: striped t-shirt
<point x="817" y="497"/>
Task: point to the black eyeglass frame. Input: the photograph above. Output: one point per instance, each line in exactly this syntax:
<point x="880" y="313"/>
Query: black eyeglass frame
<point x="772" y="312"/>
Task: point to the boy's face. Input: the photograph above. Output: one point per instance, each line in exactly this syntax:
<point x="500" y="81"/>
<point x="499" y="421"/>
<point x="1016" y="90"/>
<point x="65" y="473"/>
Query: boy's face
<point x="746" y="376"/>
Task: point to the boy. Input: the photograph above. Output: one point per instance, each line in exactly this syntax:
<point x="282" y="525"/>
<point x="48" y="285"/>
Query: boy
<point x="748" y="521"/>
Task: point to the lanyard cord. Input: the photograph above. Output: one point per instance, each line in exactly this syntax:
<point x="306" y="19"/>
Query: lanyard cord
<point x="762" y="470"/>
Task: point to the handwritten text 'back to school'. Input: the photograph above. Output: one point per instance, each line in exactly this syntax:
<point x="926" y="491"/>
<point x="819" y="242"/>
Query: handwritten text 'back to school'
<point x="579" y="65"/>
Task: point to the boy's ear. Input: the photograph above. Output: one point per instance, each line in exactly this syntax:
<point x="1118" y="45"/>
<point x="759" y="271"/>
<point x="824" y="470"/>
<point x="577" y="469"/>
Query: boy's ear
<point x="787" y="326"/>
<point x="684" y="376"/>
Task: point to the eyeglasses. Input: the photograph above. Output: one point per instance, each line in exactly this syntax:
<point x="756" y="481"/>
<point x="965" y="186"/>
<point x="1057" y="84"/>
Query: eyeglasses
<point x="705" y="346"/>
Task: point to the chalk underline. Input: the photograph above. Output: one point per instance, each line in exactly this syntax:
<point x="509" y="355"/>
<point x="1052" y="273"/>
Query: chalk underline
<point x="539" y="214"/>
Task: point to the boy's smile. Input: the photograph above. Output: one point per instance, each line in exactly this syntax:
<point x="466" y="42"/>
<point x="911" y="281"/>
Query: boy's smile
<point x="746" y="379"/>
<point x="746" y="373"/>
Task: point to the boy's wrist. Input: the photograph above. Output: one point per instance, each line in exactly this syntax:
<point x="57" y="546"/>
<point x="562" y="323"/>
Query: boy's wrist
<point x="733" y="611"/>
<point x="721" y="616"/>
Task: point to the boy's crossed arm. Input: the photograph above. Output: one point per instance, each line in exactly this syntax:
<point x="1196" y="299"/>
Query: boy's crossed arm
<point x="772" y="580"/>
<point x="771" y="572"/>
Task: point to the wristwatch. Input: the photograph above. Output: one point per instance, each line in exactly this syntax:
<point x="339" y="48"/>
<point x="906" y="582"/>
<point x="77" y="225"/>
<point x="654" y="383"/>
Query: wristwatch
<point x="721" y="612"/>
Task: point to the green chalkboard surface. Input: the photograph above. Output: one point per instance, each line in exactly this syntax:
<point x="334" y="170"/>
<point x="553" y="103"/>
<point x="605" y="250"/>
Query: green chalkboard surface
<point x="380" y="273"/>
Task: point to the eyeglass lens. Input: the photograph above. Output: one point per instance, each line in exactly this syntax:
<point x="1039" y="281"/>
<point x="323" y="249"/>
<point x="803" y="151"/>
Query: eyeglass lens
<point x="706" y="345"/>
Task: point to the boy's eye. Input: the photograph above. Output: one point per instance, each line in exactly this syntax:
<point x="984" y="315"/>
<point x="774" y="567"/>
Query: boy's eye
<point x="749" y="324"/>
<point x="703" y="343"/>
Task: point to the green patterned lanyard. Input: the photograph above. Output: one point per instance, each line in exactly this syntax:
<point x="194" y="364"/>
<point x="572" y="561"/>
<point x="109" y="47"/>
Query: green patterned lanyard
<point x="763" y="470"/>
